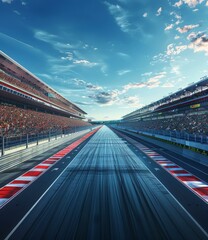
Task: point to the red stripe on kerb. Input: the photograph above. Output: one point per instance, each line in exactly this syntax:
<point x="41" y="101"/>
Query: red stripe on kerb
<point x="32" y="174"/>
<point x="54" y="158"/>
<point x="20" y="182"/>
<point x="49" y="162"/>
<point x="60" y="156"/>
<point x="203" y="191"/>
<point x="161" y="162"/>
<point x="179" y="171"/>
<point x="173" y="166"/>
<point x="42" y="167"/>
<point x="7" y="192"/>
<point x="188" y="178"/>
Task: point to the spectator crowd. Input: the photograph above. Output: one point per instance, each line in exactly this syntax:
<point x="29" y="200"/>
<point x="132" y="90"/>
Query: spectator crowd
<point x="38" y="92"/>
<point x="189" y="123"/>
<point x="15" y="121"/>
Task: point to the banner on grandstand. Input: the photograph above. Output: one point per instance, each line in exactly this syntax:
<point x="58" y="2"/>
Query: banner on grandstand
<point x="197" y="105"/>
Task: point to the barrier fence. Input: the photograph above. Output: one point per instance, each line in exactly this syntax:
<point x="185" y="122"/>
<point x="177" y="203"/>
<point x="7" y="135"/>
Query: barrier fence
<point x="173" y="134"/>
<point x="9" y="142"/>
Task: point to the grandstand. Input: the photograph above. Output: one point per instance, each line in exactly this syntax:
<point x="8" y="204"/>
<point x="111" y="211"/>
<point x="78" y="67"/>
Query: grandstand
<point x="181" y="115"/>
<point x="29" y="106"/>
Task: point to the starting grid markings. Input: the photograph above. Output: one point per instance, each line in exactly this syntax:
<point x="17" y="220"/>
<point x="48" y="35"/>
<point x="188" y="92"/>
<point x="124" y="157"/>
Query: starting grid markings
<point x="16" y="186"/>
<point x="196" y="185"/>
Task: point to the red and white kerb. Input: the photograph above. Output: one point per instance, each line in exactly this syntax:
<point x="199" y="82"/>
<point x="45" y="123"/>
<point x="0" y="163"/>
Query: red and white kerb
<point x="12" y="189"/>
<point x="196" y="185"/>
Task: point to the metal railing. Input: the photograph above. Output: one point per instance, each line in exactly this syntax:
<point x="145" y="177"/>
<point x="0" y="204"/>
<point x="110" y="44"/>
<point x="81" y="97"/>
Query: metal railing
<point x="173" y="134"/>
<point x="23" y="140"/>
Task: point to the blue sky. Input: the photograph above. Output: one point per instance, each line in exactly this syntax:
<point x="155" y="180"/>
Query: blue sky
<point x="109" y="57"/>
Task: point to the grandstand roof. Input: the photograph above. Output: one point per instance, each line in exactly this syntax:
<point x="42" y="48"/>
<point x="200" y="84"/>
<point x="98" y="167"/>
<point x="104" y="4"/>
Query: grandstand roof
<point x="201" y="86"/>
<point x="15" y="68"/>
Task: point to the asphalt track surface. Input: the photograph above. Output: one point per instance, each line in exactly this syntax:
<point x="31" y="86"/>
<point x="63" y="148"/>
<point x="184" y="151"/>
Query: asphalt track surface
<point x="105" y="192"/>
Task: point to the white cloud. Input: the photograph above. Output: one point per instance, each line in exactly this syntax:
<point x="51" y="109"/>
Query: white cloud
<point x="175" y="70"/>
<point x="135" y="85"/>
<point x="167" y="85"/>
<point x="106" y="97"/>
<point x="192" y="36"/>
<point x="170" y="26"/>
<point x="159" y="58"/>
<point x="177" y="17"/>
<point x="87" y="85"/>
<point x="120" y="15"/>
<point x="44" y="75"/>
<point x="69" y="56"/>
<point x="115" y="97"/>
<point x="190" y="3"/>
<point x="152" y="82"/>
<point x="178" y="4"/>
<point x="54" y="41"/>
<point x="45" y="36"/>
<point x="193" y="3"/>
<point x="132" y="101"/>
<point x="159" y="11"/>
<point x="175" y="50"/>
<point x="145" y="15"/>
<point x="176" y="37"/>
<point x="146" y="74"/>
<point x="206" y="4"/>
<point x="85" y="63"/>
<point x="7" y="1"/>
<point x="124" y="55"/>
<point x="187" y="28"/>
<point x="199" y="42"/>
<point x="126" y="19"/>
<point x="123" y="72"/>
<point x="17" y="12"/>
<point x="178" y="22"/>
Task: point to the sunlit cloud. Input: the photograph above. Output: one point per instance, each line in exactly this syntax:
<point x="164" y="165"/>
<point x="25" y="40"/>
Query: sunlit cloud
<point x="175" y="50"/>
<point x="84" y="62"/>
<point x="145" y="15"/>
<point x="178" y="4"/>
<point x="152" y="82"/>
<point x="87" y="85"/>
<point x="105" y="97"/>
<point x="190" y="3"/>
<point x="187" y="28"/>
<point x="159" y="11"/>
<point x="168" y="27"/>
<point x="199" y="42"/>
<point x="131" y="102"/>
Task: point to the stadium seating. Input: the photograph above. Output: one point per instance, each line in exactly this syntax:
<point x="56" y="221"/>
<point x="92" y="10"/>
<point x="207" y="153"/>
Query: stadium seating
<point x="61" y="102"/>
<point x="191" y="124"/>
<point x="16" y="121"/>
